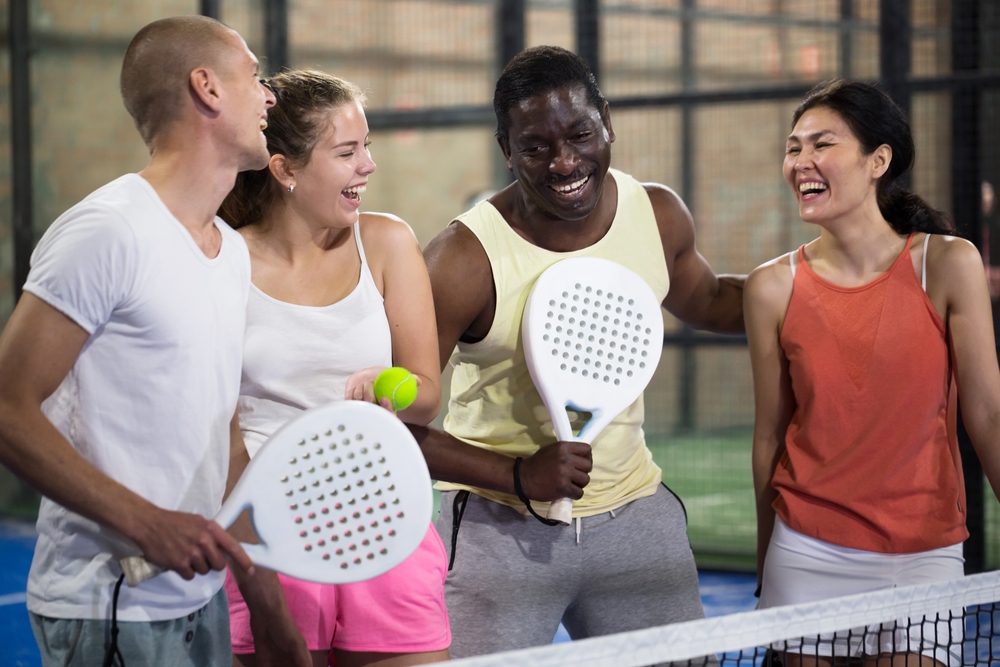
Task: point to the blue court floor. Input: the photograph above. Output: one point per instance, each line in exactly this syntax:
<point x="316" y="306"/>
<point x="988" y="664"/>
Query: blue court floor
<point x="721" y="593"/>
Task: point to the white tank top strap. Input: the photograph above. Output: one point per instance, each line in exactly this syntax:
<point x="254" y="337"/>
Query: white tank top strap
<point x="793" y="260"/>
<point x="365" y="269"/>
<point x="923" y="261"/>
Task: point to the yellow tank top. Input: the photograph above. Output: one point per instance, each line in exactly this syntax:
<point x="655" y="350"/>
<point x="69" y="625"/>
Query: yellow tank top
<point x="494" y="403"/>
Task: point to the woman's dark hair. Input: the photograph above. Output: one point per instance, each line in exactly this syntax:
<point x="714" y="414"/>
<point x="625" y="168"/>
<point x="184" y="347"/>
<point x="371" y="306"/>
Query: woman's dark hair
<point x="875" y="120"/>
<point x="304" y="101"/>
<point x="539" y="70"/>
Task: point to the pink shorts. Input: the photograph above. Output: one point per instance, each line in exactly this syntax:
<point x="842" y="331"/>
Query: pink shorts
<point x="401" y="611"/>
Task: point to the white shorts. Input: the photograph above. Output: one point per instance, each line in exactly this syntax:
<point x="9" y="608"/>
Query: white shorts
<point x="799" y="568"/>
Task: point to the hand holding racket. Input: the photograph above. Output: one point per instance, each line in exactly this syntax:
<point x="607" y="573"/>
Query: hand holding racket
<point x="592" y="334"/>
<point x="339" y="494"/>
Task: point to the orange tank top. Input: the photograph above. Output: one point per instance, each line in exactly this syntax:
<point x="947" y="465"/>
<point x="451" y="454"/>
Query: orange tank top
<point x="871" y="455"/>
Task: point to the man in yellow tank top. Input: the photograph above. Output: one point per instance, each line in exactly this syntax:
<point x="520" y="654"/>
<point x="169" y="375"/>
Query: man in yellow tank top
<point x="626" y="563"/>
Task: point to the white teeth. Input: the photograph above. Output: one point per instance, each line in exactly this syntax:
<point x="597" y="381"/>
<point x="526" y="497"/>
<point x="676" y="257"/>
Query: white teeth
<point x="356" y="190"/>
<point x="263" y="124"/>
<point x="812" y="186"/>
<point x="571" y="187"/>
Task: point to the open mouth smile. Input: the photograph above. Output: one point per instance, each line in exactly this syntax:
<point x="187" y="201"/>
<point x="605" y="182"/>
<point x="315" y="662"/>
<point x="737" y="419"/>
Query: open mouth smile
<point x="812" y="189"/>
<point x="571" y="189"/>
<point x="354" y="193"/>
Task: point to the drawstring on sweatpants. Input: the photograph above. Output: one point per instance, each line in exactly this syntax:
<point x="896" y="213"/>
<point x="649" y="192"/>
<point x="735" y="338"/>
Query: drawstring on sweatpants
<point x="112" y="654"/>
<point x="579" y="525"/>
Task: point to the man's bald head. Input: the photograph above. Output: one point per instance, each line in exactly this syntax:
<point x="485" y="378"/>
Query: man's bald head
<point x="158" y="65"/>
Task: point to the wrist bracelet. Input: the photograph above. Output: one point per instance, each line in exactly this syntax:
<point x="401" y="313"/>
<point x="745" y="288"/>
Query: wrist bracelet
<point x="524" y="499"/>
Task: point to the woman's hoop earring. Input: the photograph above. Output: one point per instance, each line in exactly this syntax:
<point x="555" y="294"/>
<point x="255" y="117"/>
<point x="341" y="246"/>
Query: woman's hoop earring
<point x="291" y="188"/>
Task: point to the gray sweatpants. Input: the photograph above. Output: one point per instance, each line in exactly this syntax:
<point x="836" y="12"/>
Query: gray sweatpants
<point x="513" y="579"/>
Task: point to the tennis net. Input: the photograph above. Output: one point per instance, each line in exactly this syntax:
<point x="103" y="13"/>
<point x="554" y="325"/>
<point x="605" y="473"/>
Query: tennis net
<point x="947" y="624"/>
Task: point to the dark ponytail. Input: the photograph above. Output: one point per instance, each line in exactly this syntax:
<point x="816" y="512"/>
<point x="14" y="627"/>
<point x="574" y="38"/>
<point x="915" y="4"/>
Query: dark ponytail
<point x="875" y="120"/>
<point x="304" y="101"/>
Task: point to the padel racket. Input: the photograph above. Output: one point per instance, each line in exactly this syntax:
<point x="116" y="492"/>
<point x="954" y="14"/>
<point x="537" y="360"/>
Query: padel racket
<point x="339" y="494"/>
<point x="592" y="334"/>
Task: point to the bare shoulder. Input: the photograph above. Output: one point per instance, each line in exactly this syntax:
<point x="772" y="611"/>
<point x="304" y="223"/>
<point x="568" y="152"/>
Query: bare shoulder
<point x="461" y="279"/>
<point x="667" y="204"/>
<point x="769" y="286"/>
<point x="954" y="264"/>
<point x="457" y="250"/>
<point x="386" y="229"/>
<point x="673" y="220"/>
<point x="952" y="252"/>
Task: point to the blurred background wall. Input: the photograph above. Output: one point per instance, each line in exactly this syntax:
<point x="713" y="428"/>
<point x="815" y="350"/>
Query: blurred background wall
<point x="701" y="93"/>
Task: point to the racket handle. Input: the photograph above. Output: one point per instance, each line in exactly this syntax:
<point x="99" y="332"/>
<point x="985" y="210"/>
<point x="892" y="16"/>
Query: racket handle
<point x="561" y="510"/>
<point x="137" y="569"/>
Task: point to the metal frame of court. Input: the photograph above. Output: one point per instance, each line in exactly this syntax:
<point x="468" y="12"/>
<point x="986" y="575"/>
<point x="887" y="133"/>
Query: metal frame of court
<point x="966" y="83"/>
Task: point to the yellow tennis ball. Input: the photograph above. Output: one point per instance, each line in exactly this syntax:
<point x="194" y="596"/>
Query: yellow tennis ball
<point x="398" y="385"/>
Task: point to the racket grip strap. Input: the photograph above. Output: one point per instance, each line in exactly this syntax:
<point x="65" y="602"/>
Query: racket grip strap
<point x="137" y="569"/>
<point x="527" y="503"/>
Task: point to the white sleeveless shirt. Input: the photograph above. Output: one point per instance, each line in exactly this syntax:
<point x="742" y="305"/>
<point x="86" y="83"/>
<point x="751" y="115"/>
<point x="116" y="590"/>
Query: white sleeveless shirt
<point x="297" y="357"/>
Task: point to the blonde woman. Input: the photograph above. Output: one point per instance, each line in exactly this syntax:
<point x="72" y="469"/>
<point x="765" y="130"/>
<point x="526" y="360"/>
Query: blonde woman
<point x="337" y="296"/>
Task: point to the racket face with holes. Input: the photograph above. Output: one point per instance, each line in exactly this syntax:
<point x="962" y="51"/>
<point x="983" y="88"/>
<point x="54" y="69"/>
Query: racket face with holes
<point x="593" y="334"/>
<point x="339" y="494"/>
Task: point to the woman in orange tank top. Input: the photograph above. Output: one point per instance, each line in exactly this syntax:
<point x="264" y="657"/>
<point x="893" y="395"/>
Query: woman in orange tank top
<point x="858" y="342"/>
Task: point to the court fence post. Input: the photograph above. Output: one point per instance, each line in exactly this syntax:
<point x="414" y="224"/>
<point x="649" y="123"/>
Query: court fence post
<point x="509" y="30"/>
<point x="588" y="34"/>
<point x="209" y="8"/>
<point x="19" y="34"/>
<point x="276" y="35"/>
<point x="965" y="189"/>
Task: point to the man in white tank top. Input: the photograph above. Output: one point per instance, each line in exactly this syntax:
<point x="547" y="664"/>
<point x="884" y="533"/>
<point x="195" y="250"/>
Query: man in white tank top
<point x="121" y="365"/>
<point x="512" y="578"/>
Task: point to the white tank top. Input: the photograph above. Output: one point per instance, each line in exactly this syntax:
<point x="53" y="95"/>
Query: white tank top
<point x="297" y="357"/>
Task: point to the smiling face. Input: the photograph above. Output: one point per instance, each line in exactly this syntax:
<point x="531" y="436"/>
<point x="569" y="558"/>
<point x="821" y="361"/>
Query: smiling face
<point x="248" y="101"/>
<point x="328" y="188"/>
<point x="559" y="150"/>
<point x="827" y="168"/>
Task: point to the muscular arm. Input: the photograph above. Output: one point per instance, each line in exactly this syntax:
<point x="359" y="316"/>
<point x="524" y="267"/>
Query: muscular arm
<point x="37" y="350"/>
<point x="768" y="290"/>
<point x="462" y="284"/>
<point x="697" y="295"/>
<point x="954" y="264"/>
<point x="558" y="470"/>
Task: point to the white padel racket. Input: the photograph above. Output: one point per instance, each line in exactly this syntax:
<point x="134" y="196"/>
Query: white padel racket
<point x="339" y="494"/>
<point x="592" y="333"/>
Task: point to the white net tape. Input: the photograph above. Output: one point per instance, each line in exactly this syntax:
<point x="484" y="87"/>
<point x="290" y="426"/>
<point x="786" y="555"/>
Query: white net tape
<point x="693" y="639"/>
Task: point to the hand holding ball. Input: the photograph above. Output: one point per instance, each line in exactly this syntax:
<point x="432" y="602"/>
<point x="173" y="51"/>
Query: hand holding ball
<point x="398" y="385"/>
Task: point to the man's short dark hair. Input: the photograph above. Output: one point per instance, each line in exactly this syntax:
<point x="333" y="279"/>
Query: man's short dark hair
<point x="539" y="70"/>
<point x="158" y="62"/>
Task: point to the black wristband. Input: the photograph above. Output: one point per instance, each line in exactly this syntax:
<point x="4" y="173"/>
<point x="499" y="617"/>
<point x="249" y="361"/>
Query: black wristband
<point x="524" y="499"/>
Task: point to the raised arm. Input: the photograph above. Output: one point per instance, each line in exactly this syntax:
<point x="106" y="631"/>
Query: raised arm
<point x="955" y="268"/>
<point x="768" y="290"/>
<point x="697" y="295"/>
<point x="37" y="350"/>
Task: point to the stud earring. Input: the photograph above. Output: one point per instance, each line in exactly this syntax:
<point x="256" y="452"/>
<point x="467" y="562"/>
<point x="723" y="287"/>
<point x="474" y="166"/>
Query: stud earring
<point x="291" y="188"/>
